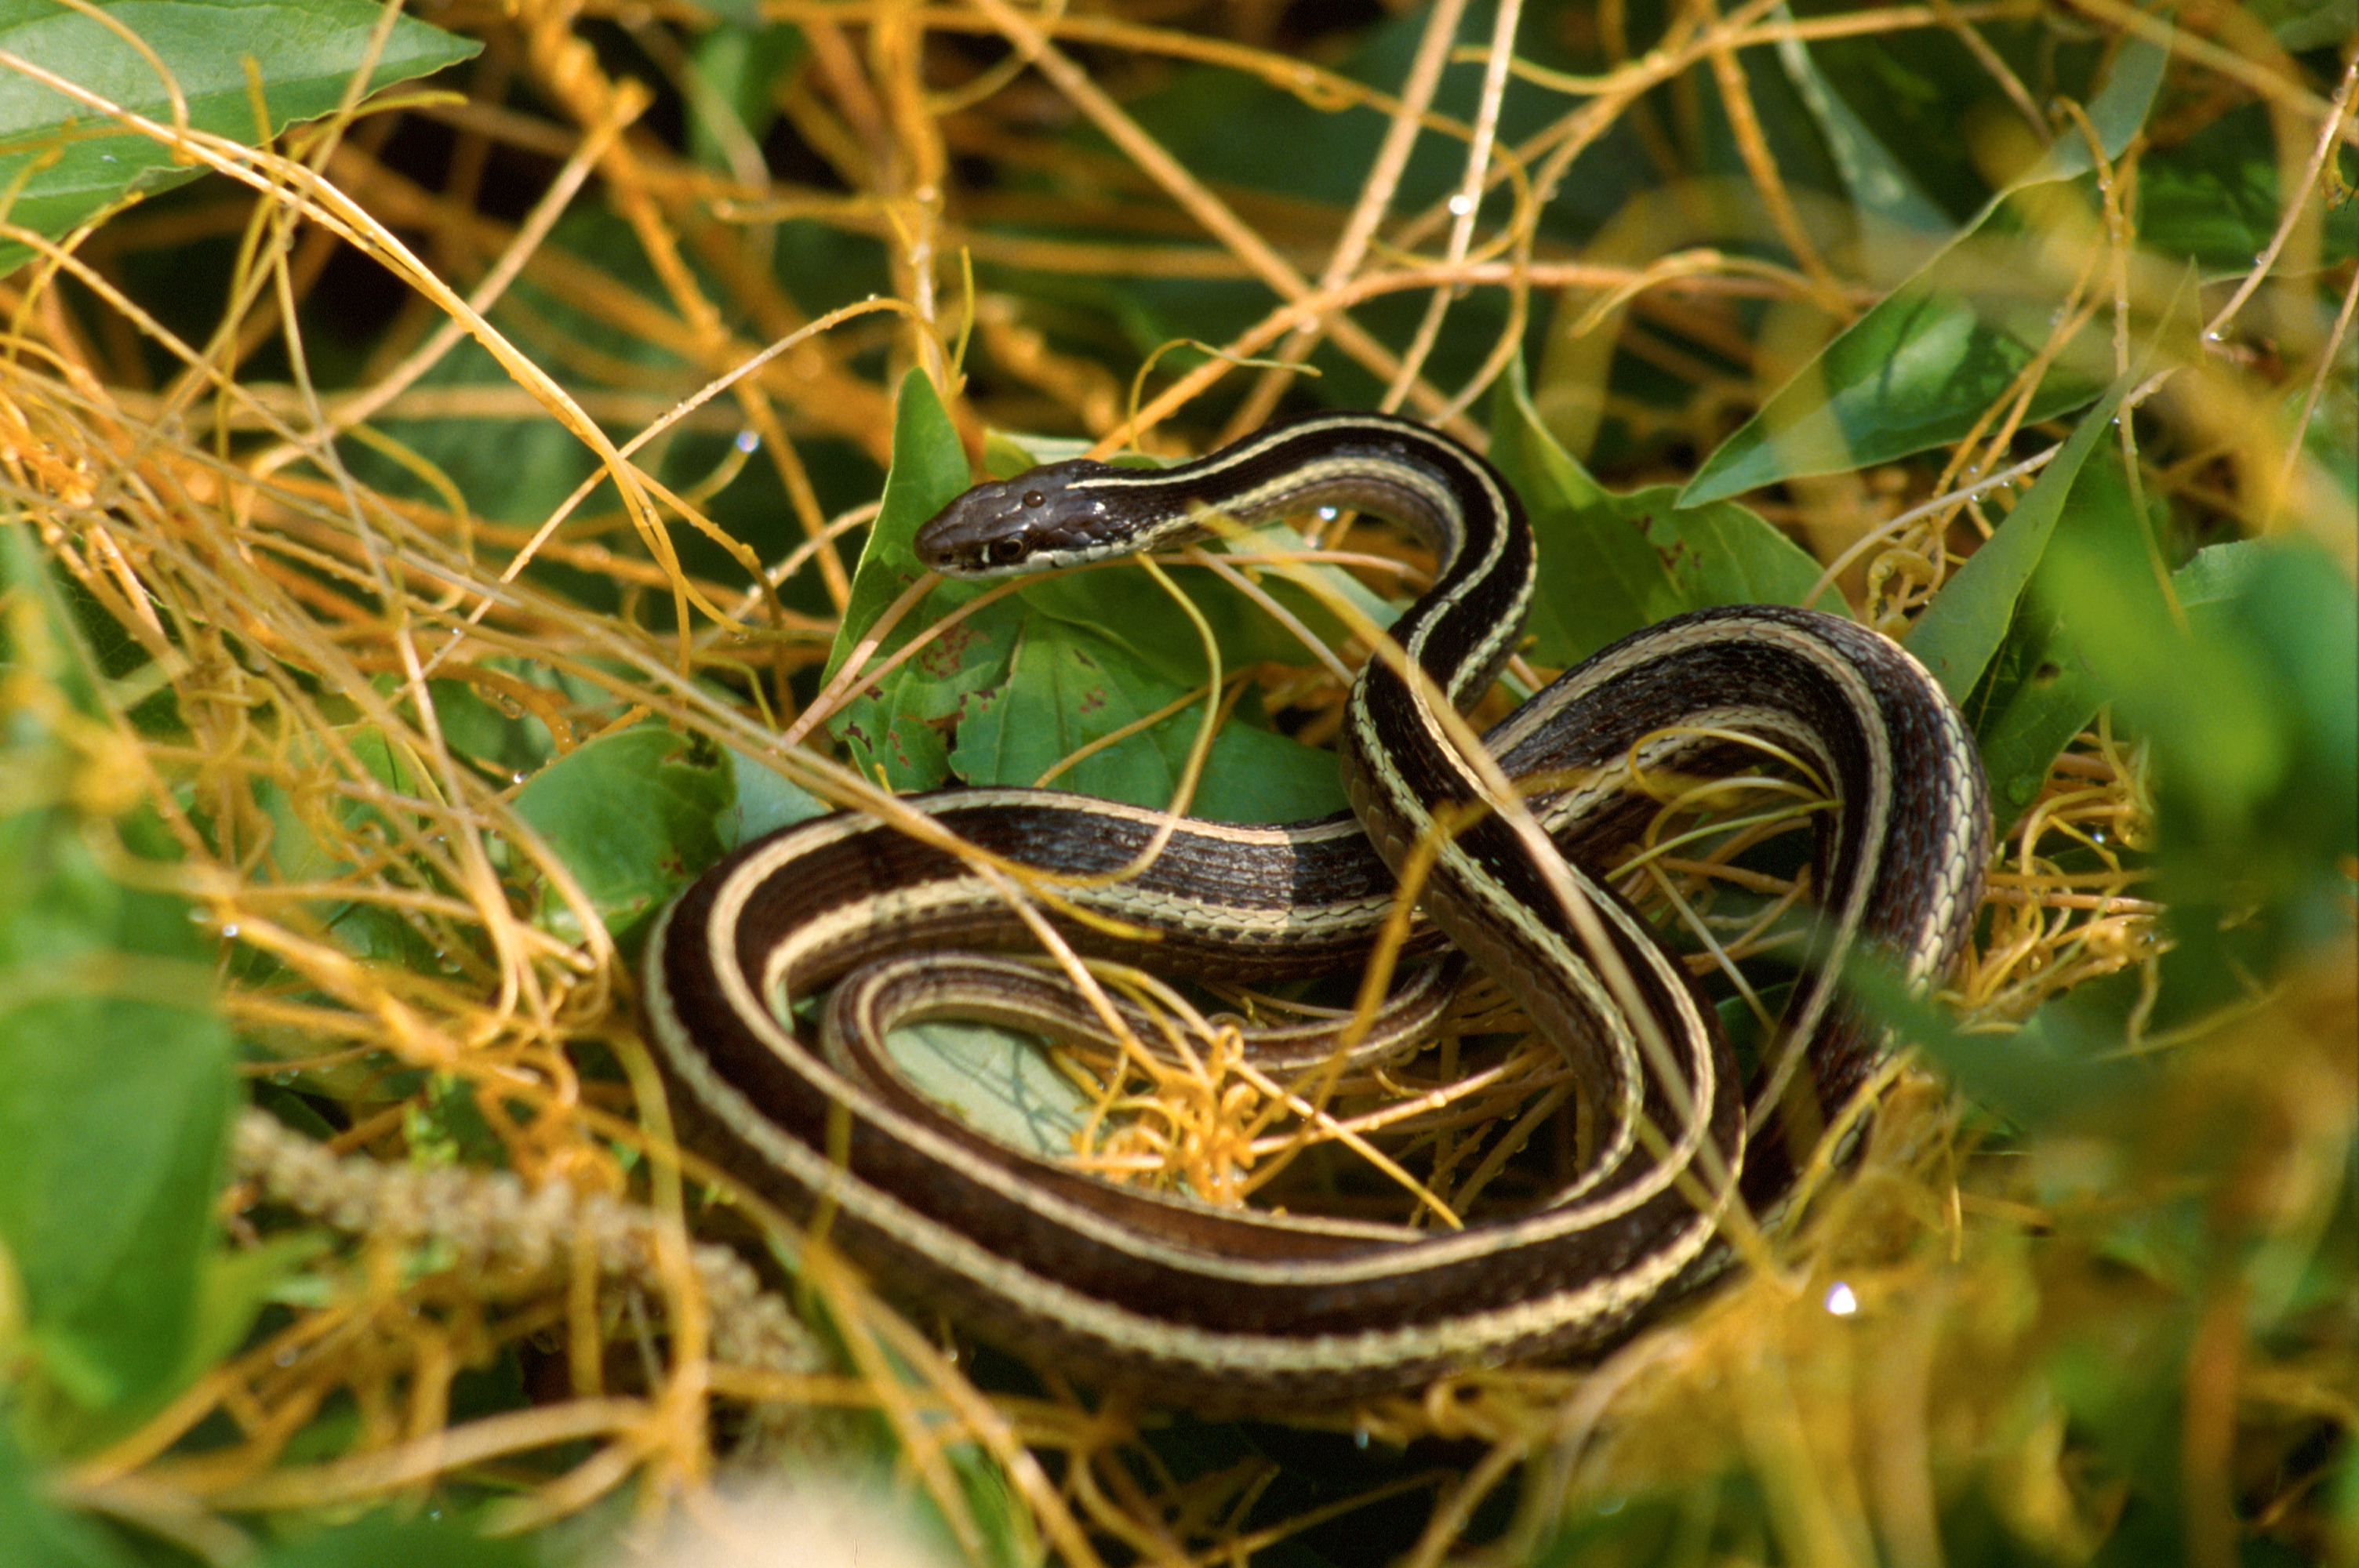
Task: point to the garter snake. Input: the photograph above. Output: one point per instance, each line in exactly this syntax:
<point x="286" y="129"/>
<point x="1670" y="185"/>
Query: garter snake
<point x="1233" y="1305"/>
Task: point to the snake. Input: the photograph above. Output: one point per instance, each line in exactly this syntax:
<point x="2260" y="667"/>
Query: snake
<point x="1501" y="835"/>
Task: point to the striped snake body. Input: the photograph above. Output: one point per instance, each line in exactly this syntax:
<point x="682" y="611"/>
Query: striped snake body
<point x="1233" y="1306"/>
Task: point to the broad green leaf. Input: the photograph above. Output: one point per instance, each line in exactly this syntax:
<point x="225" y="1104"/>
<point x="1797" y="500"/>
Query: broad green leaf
<point x="1066" y="688"/>
<point x="2040" y="692"/>
<point x="114" y="1068"/>
<point x="1008" y="693"/>
<point x="236" y="1285"/>
<point x="766" y="800"/>
<point x="110" y="1059"/>
<point x="997" y="1082"/>
<point x="1131" y="609"/>
<point x="2301" y="25"/>
<point x="633" y="816"/>
<point x="386" y="1540"/>
<point x="1956" y="636"/>
<point x="1257" y="775"/>
<point x="2048" y="1073"/>
<point x="896" y="729"/>
<point x="1926" y="362"/>
<point x="310" y="823"/>
<point x="1880" y="184"/>
<point x="2220" y="572"/>
<point x="2118" y="111"/>
<point x="1069" y="687"/>
<point x="2040" y="695"/>
<point x="36" y="1531"/>
<point x="1005" y="454"/>
<point x="1914" y="91"/>
<point x="929" y="471"/>
<point x="1611" y="564"/>
<point x="503" y="742"/>
<point x="736" y="68"/>
<point x="901" y="727"/>
<point x="2283" y="606"/>
<point x="74" y="160"/>
<point x="2214" y="197"/>
<point x="2251" y="705"/>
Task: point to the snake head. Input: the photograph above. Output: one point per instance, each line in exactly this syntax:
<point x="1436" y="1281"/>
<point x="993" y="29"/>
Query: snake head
<point x="1037" y="519"/>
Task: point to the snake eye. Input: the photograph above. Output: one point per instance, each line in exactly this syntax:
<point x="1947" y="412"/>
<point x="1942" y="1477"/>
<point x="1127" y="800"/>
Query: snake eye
<point x="1034" y="498"/>
<point x="1001" y="550"/>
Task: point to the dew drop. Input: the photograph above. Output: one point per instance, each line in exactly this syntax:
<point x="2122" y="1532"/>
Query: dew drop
<point x="749" y="440"/>
<point x="1839" y="1300"/>
<point x="1461" y="204"/>
<point x="1329" y="514"/>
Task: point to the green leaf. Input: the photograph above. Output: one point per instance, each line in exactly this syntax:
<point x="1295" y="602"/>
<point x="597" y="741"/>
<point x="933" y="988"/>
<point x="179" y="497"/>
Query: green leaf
<point x="1927" y="362"/>
<point x="2048" y="1072"/>
<point x="2250" y="701"/>
<point x="1257" y="775"/>
<point x="33" y="1531"/>
<point x="382" y="1540"/>
<point x="1611" y="564"/>
<point x="897" y="728"/>
<point x="1956" y="636"/>
<point x="1133" y="611"/>
<point x="2118" y="111"/>
<point x="633" y="816"/>
<point x="735" y="67"/>
<point x="110" y="1059"/>
<point x="2302" y="25"/>
<point x="1918" y="370"/>
<point x="929" y="471"/>
<point x="74" y="161"/>
<point x="996" y="1081"/>
<point x="115" y="1079"/>
<point x="1068" y="687"/>
<point x="1912" y="92"/>
<point x="1880" y="184"/>
<point x="766" y="801"/>
<point x="2283" y="604"/>
<point x="1009" y="692"/>
<point x="233" y="1288"/>
<point x="2213" y="197"/>
<point x="2041" y="691"/>
<point x="900" y="727"/>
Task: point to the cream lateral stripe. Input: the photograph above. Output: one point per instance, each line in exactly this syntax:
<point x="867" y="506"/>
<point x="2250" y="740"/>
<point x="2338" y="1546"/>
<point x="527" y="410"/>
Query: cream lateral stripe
<point x="1430" y="1250"/>
<point x="1229" y="1306"/>
<point x="1117" y="1325"/>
